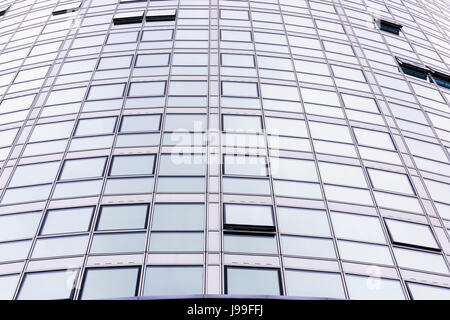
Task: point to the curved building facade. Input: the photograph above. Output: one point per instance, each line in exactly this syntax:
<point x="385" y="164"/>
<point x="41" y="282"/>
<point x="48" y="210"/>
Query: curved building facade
<point x="191" y="147"/>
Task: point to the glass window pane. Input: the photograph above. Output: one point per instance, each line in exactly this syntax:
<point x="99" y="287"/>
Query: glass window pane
<point x="19" y="226"/>
<point x="245" y="186"/>
<point x="14" y="250"/>
<point x="118" y="242"/>
<point x="47" y="285"/>
<point x="241" y="123"/>
<point x="357" y="227"/>
<point x="140" y="123"/>
<point x="180" y="216"/>
<point x="30" y="174"/>
<point x="60" y="246"/>
<point x="155" y="88"/>
<point x="303" y="221"/>
<point x="95" y="126"/>
<point x="252" y="281"/>
<point x="114" y="62"/>
<point x="132" y="165"/>
<point x="293" y="169"/>
<point x="176" y="241"/>
<point x="308" y="247"/>
<point x="106" y="91"/>
<point x="364" y="252"/>
<point x="390" y="181"/>
<point x="122" y="217"/>
<point x="245" y="165"/>
<point x="248" y="215"/>
<point x="371" y="288"/>
<point x="77" y="189"/>
<point x="420" y="260"/>
<point x="8" y="286"/>
<point x="83" y="168"/>
<point x="342" y="174"/>
<point x="67" y="220"/>
<point x="164" y="280"/>
<point x="182" y="164"/>
<point x="184" y="184"/>
<point x="312" y="284"/>
<point x="403" y="232"/>
<point x="52" y="131"/>
<point x="250" y="243"/>
<point x="108" y="283"/>
<point x="426" y="292"/>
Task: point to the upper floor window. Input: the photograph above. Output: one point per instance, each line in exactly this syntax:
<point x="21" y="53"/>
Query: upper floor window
<point x="66" y="8"/>
<point x="128" y="17"/>
<point x="161" y="15"/>
<point x="389" y="26"/>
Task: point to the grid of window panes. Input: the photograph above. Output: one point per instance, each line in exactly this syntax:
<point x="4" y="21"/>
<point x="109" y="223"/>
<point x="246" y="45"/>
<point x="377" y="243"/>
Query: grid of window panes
<point x="259" y="147"/>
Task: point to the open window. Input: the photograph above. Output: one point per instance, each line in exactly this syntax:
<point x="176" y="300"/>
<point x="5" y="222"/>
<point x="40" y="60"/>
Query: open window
<point x="66" y="8"/>
<point x="161" y="15"/>
<point x="128" y="17"/>
<point x="411" y="69"/>
<point x="389" y="26"/>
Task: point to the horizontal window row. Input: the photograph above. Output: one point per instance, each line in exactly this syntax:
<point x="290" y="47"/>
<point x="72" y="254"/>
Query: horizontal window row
<point x="122" y="282"/>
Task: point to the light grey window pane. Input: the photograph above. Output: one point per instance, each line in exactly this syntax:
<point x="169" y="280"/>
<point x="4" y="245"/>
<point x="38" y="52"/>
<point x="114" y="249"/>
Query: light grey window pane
<point x="7" y="137"/>
<point x="91" y="143"/>
<point x="185" y="122"/>
<point x="373" y="288"/>
<point x="152" y="60"/>
<point x="293" y="169"/>
<point x="188" y="88"/>
<point x="239" y="89"/>
<point x="83" y="168"/>
<point x="52" y="131"/>
<point x="19" y="226"/>
<point x="426" y="292"/>
<point x="286" y="127"/>
<point x="390" y="181"/>
<point x="241" y="123"/>
<point x="140" y="123"/>
<point x="67" y="220"/>
<point x="248" y="215"/>
<point x="342" y="174"/>
<point x="118" y="242"/>
<point x="176" y="241"/>
<point x="250" y="243"/>
<point x="246" y="186"/>
<point x="95" y="126"/>
<point x="174" y="184"/>
<point x="238" y="60"/>
<point x="303" y="221"/>
<point x="114" y="62"/>
<point x="14" y="250"/>
<point x="245" y="165"/>
<point x="180" y="216"/>
<point x="190" y="59"/>
<point x="129" y="186"/>
<point x="311" y="284"/>
<point x="131" y="165"/>
<point x="122" y="37"/>
<point x="438" y="190"/>
<point x="420" y="260"/>
<point x="357" y="227"/>
<point x="8" y="286"/>
<point x="272" y="91"/>
<point x="123" y="217"/>
<point x="137" y="140"/>
<point x="60" y="246"/>
<point x="297" y="189"/>
<point x="308" y="247"/>
<point x="364" y="252"/>
<point x="162" y="280"/>
<point x="26" y="194"/>
<point x="411" y="233"/>
<point x="108" y="283"/>
<point x="157" y="35"/>
<point x="374" y="139"/>
<point x="230" y="35"/>
<point x="106" y="91"/>
<point x="253" y="281"/>
<point x="182" y="164"/>
<point x="155" y="88"/>
<point x="48" y="285"/>
<point x="34" y="174"/>
<point x="77" y="189"/>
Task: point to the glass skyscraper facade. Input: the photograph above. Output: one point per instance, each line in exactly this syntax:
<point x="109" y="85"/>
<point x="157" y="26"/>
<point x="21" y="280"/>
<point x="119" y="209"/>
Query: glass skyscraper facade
<point x="224" y="147"/>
